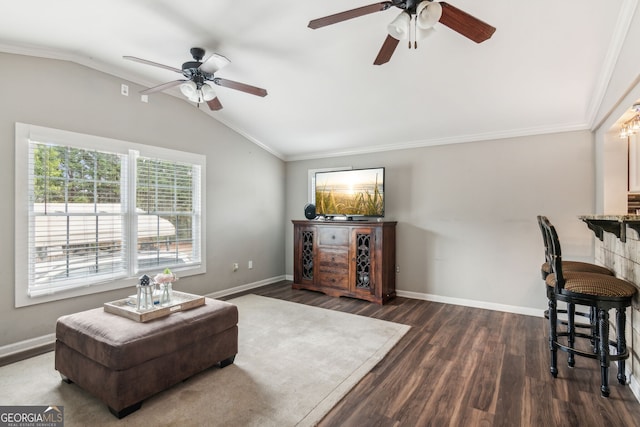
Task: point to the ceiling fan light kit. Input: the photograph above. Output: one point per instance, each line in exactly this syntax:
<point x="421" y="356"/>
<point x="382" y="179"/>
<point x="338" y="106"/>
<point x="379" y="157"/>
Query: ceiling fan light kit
<point x="188" y="89"/>
<point x="399" y="28"/>
<point x="195" y="86"/>
<point x="424" y="14"/>
<point x="428" y="14"/>
<point x="197" y="94"/>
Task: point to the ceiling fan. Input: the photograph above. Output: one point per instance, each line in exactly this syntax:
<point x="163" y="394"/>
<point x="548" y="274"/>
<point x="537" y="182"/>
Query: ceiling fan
<point x="198" y="74"/>
<point x="424" y="14"/>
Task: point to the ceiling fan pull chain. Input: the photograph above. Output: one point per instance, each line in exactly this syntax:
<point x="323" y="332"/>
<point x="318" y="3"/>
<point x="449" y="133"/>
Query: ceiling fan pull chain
<point x="415" y="32"/>
<point x="412" y="25"/>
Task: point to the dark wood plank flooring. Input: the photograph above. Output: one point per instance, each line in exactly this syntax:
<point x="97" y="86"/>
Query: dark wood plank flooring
<point x="461" y="366"/>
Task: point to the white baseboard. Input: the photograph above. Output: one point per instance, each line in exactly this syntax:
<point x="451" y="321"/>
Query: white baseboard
<point x="528" y="311"/>
<point x="26" y="345"/>
<point x="246" y="287"/>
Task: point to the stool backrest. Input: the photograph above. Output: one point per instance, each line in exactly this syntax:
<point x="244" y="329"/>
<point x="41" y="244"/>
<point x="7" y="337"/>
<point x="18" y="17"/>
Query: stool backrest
<point x="545" y="238"/>
<point x="554" y="251"/>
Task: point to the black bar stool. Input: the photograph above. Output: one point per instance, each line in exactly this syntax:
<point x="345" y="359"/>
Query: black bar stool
<point x="573" y="266"/>
<point x="598" y="291"/>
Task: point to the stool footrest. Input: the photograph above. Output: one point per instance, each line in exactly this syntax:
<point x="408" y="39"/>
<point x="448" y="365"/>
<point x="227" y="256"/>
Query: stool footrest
<point x="572" y="350"/>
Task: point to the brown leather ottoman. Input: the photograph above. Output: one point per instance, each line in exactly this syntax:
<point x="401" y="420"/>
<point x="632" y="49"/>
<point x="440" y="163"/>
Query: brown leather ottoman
<point x="123" y="362"/>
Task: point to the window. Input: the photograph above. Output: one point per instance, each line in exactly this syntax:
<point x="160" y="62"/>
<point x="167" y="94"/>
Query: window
<point x="93" y="214"/>
<point x="311" y="181"/>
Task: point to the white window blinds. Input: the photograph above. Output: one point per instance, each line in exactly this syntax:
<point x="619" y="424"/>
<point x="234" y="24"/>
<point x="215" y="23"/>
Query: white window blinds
<point x="76" y="230"/>
<point x="168" y="207"/>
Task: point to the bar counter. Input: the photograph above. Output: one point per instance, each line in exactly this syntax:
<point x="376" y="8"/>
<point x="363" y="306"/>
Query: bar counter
<point x="617" y="247"/>
<point x="616" y="224"/>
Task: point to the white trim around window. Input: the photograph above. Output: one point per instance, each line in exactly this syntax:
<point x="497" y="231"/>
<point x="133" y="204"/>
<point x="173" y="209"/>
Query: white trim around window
<point x="120" y="219"/>
<point x="311" y="180"/>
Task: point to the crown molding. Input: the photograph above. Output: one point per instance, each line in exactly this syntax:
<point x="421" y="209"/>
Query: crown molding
<point x="458" y="139"/>
<point x="625" y="17"/>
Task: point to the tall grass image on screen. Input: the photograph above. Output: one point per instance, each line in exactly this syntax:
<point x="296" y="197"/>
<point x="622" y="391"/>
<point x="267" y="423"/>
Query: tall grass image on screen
<point x="356" y="192"/>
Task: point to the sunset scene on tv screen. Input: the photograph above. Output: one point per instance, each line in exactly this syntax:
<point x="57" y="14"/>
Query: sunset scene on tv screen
<point x="352" y="192"/>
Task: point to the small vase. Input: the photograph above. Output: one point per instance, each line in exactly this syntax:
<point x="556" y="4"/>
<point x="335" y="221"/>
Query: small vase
<point x="139" y="298"/>
<point x="145" y="298"/>
<point x="166" y="292"/>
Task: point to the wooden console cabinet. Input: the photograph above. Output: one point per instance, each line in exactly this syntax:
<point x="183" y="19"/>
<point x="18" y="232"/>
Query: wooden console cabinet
<point x="346" y="258"/>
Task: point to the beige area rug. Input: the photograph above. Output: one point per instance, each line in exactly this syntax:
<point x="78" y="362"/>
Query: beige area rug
<point x="294" y="363"/>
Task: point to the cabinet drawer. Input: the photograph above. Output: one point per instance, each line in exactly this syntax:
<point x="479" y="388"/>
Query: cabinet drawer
<point x="333" y="268"/>
<point x="333" y="236"/>
<point x="333" y="261"/>
<point x="334" y="280"/>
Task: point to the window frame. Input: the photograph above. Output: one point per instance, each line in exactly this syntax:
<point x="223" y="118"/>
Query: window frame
<point x="311" y="180"/>
<point x="26" y="132"/>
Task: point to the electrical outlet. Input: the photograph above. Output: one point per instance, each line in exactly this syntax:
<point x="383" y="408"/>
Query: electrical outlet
<point x="397" y="269"/>
<point x="124" y="90"/>
<point x="250" y="266"/>
<point x="235" y="266"/>
<point x="144" y="98"/>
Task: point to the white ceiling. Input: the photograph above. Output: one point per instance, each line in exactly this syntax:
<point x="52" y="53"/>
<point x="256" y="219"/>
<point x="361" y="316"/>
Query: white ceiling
<point x="544" y="69"/>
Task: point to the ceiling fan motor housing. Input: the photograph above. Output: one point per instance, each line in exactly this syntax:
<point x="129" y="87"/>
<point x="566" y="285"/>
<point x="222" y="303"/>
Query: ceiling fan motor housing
<point x="197" y="53"/>
<point x="409" y="5"/>
<point x="191" y="69"/>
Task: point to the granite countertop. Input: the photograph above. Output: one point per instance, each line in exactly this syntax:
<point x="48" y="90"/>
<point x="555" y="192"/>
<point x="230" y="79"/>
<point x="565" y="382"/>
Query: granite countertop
<point x="618" y="218"/>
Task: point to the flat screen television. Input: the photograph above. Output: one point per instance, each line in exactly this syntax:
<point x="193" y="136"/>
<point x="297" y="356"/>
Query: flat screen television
<point x="350" y="193"/>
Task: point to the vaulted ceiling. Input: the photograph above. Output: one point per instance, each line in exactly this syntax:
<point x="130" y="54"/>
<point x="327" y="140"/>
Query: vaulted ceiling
<point x="544" y="70"/>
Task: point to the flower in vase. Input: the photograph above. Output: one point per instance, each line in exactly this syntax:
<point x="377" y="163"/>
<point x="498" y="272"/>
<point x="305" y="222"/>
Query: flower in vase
<point x="165" y="277"/>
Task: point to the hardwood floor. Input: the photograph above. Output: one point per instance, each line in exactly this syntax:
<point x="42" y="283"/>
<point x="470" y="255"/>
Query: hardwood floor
<point x="461" y="366"/>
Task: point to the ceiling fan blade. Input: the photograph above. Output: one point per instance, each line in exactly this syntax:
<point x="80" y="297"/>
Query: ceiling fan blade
<point x="214" y="104"/>
<point x="214" y="63"/>
<point x="349" y="14"/>
<point x="253" y="90"/>
<point x="161" y="87"/>
<point x="387" y="49"/>
<point x="465" y="24"/>
<point x="155" y="64"/>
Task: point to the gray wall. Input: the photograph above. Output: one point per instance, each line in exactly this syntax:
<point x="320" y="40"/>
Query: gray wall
<point x="245" y="184"/>
<point x="466" y="213"/>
